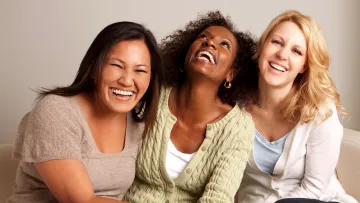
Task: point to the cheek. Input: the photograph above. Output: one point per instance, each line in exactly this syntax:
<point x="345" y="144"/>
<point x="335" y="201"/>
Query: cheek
<point x="187" y="58"/>
<point x="110" y="74"/>
<point x="267" y="50"/>
<point x="188" y="55"/>
<point x="226" y="58"/>
<point x="193" y="47"/>
<point x="261" y="62"/>
<point x="143" y="83"/>
<point x="298" y="65"/>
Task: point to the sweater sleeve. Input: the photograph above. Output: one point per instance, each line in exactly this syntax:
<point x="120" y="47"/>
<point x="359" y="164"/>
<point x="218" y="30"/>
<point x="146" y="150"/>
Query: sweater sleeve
<point x="50" y="131"/>
<point x="322" y="153"/>
<point x="227" y="175"/>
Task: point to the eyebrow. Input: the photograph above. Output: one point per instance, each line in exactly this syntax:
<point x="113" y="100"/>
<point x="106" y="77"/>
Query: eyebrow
<point x="121" y="61"/>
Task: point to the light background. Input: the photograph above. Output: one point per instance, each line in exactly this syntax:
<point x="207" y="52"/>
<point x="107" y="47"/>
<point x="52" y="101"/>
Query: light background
<point x="42" y="42"/>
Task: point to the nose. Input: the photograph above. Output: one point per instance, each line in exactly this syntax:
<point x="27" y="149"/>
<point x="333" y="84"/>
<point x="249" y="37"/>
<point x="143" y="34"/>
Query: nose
<point x="282" y="53"/>
<point x="210" y="43"/>
<point x="126" y="79"/>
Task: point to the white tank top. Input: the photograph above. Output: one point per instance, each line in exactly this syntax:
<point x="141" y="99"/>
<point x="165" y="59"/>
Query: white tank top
<point x="176" y="161"/>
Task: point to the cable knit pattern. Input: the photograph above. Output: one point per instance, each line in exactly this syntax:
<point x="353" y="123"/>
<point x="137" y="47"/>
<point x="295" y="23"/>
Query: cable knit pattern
<point x="213" y="175"/>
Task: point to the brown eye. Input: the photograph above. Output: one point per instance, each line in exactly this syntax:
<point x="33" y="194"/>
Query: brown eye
<point x="225" y="44"/>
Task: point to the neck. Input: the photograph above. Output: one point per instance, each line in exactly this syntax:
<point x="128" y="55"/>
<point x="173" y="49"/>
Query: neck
<point x="195" y="102"/>
<point x="271" y="98"/>
<point x="102" y="115"/>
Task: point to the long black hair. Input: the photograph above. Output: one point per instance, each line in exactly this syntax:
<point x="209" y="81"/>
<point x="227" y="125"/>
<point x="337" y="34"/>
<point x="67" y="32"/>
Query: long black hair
<point x="89" y="71"/>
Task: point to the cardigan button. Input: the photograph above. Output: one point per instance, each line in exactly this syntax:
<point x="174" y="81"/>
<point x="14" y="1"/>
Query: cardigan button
<point x="188" y="170"/>
<point x="203" y="148"/>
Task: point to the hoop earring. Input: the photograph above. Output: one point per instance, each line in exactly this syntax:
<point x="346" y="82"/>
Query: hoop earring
<point x="227" y="85"/>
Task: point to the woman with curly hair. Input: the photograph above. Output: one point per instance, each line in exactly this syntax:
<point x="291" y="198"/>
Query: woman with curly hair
<point x="199" y="146"/>
<point x="298" y="133"/>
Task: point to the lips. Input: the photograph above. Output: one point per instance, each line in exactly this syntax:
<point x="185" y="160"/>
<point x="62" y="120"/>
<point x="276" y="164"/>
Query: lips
<point x="278" y="67"/>
<point x="206" y="55"/>
<point x="122" y="92"/>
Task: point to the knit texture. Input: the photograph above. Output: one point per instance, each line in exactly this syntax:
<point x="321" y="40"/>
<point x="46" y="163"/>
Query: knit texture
<point x="213" y="175"/>
<point x="56" y="129"/>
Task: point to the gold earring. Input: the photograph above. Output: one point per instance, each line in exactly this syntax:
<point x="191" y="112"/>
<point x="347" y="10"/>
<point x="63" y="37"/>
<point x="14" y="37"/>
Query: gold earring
<point x="227" y="85"/>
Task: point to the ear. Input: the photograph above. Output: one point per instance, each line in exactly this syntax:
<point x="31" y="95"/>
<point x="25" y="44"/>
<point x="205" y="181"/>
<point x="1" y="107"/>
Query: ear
<point x="230" y="76"/>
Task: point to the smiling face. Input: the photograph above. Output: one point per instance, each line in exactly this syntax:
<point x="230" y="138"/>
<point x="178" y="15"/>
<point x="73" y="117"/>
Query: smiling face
<point x="125" y="76"/>
<point x="283" y="55"/>
<point x="212" y="54"/>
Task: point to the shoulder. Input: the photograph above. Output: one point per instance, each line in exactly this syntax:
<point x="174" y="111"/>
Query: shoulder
<point x="326" y="109"/>
<point x="326" y="124"/>
<point x="53" y="102"/>
<point x="238" y="124"/>
<point x="55" y="109"/>
<point x="163" y="111"/>
<point x="52" y="130"/>
<point x="164" y="96"/>
<point x="247" y="127"/>
<point x="327" y="115"/>
<point x="326" y="118"/>
<point x="242" y="118"/>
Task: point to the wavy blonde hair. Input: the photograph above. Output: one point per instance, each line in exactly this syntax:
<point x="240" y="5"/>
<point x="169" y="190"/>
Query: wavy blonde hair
<point x="314" y="88"/>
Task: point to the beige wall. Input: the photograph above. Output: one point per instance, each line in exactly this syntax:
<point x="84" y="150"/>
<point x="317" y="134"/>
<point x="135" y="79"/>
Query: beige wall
<point x="43" y="42"/>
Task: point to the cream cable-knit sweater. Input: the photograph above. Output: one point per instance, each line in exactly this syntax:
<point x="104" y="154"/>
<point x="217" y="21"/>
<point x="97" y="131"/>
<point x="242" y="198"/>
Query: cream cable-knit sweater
<point x="213" y="175"/>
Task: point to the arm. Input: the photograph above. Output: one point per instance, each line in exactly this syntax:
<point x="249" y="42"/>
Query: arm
<point x="69" y="182"/>
<point x="227" y="175"/>
<point x="52" y="141"/>
<point x="322" y="153"/>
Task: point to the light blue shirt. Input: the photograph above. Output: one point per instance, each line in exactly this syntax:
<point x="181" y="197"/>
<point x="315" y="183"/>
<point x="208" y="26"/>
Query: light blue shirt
<point x="266" y="154"/>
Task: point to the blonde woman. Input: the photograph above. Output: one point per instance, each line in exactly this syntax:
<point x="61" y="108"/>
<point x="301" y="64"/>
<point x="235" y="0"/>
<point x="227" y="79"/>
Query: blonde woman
<point x="295" y="110"/>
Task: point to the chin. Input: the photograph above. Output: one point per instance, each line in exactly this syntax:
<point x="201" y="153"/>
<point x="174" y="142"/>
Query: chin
<point x="122" y="109"/>
<point x="273" y="83"/>
<point x="203" y="71"/>
<point x="277" y="84"/>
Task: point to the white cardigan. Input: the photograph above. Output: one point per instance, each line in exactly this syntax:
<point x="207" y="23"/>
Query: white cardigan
<point x="305" y="169"/>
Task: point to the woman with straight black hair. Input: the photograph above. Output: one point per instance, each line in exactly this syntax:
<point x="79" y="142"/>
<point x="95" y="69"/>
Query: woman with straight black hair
<point x="79" y="143"/>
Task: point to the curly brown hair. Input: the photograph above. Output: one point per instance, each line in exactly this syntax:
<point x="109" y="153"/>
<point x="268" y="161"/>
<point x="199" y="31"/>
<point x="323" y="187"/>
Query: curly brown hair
<point x="175" y="47"/>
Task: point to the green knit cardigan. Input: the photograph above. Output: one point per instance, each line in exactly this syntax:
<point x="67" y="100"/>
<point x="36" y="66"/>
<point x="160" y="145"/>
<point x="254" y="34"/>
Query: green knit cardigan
<point x="213" y="175"/>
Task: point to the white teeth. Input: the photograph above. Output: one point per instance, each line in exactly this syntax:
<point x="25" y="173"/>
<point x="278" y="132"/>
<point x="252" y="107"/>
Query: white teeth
<point x="277" y="67"/>
<point x="201" y="56"/>
<point x="122" y="92"/>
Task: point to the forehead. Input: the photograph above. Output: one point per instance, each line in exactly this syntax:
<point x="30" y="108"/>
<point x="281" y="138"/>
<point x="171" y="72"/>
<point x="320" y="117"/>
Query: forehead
<point x="219" y="31"/>
<point x="290" y="32"/>
<point x="129" y="45"/>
